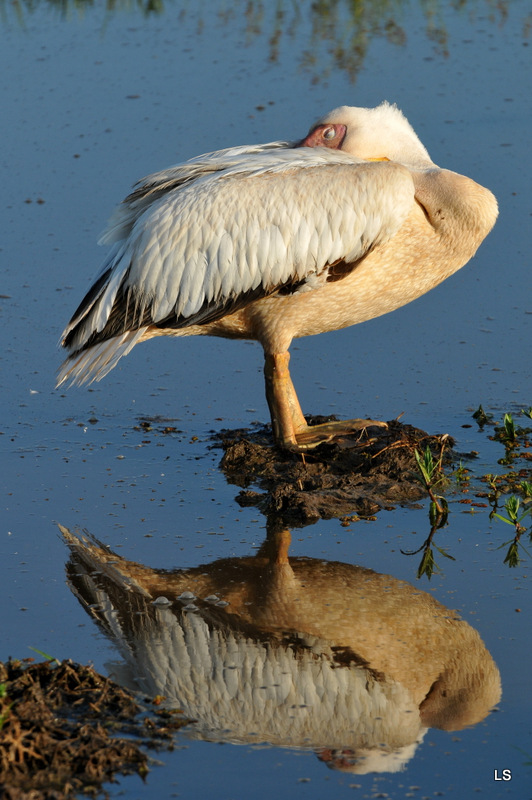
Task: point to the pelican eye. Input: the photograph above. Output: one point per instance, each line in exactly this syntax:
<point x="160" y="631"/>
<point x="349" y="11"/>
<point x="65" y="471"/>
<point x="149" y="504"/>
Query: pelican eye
<point x="329" y="133"/>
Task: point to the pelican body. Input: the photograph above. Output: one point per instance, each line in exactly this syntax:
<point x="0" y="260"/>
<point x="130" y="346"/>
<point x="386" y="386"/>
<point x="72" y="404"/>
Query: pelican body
<point x="276" y="241"/>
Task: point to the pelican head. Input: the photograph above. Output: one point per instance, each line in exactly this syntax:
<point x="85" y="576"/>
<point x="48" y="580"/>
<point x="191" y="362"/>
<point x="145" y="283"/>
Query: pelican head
<point x="371" y="134"/>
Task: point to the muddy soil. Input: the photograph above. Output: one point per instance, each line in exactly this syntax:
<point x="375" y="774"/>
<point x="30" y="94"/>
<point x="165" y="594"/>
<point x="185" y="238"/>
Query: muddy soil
<point x="370" y="470"/>
<point x="65" y="730"/>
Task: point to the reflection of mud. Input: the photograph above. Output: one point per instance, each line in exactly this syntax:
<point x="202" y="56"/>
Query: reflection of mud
<point x="62" y="728"/>
<point x="371" y="470"/>
<point x="293" y="652"/>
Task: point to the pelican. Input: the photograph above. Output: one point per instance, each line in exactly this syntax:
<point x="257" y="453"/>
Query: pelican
<point x="276" y="241"/>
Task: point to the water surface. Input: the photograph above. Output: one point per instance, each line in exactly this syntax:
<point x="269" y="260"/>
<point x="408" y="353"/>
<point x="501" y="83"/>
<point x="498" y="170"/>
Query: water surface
<point x="95" y="100"/>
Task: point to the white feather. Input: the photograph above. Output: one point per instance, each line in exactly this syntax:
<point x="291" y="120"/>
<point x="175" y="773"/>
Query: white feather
<point x="96" y="362"/>
<point x="218" y="227"/>
<point x="202" y="242"/>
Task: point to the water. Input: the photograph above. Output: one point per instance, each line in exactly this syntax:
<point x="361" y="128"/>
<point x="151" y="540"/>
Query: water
<point x="95" y="100"/>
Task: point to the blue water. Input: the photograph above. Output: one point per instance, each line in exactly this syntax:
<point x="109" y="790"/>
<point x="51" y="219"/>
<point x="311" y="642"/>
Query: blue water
<point x="94" y="101"/>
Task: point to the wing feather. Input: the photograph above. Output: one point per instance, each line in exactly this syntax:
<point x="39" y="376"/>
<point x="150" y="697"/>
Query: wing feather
<point x="196" y="241"/>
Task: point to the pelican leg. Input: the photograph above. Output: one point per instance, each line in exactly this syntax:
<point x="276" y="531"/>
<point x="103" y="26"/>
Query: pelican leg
<point x="285" y="411"/>
<point x="290" y="429"/>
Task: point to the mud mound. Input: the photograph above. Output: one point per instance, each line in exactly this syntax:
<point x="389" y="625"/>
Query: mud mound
<point x="373" y="469"/>
<point x="63" y="729"/>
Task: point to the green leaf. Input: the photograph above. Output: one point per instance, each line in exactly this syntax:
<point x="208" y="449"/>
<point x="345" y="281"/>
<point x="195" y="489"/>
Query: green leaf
<point x="45" y="655"/>
<point x="503" y="519"/>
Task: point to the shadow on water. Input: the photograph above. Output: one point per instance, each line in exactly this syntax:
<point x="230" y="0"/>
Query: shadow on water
<point x="303" y="653"/>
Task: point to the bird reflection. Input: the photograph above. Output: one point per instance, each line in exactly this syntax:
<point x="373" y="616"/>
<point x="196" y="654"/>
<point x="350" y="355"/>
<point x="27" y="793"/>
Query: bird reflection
<point x="297" y="652"/>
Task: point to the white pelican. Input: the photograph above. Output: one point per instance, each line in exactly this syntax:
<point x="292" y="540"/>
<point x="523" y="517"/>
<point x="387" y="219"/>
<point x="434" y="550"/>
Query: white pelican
<point x="280" y="240"/>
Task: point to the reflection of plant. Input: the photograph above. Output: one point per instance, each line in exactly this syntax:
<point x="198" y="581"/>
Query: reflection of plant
<point x="338" y="36"/>
<point x="482" y="418"/>
<point x="512" y="485"/>
<point x="514" y="517"/>
<point x="516" y="441"/>
<point x="66" y="8"/>
<point x="427" y="565"/>
<point x="528" y="756"/>
<point x="431" y="475"/>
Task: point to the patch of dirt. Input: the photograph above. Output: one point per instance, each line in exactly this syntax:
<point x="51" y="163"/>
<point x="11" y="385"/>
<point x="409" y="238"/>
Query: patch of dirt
<point x="66" y="730"/>
<point x="370" y="470"/>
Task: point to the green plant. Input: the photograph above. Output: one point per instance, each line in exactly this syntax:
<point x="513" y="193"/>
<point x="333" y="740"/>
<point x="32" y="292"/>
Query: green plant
<point x="514" y="517"/>
<point x="45" y="655"/>
<point x="510" y="432"/>
<point x="512" y="507"/>
<point x="526" y="488"/>
<point x="431" y="475"/>
<point x="481" y="417"/>
<point x="462" y="475"/>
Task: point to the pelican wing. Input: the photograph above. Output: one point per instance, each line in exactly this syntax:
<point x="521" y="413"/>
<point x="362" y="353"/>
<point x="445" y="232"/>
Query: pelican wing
<point x="254" y="228"/>
<point x="154" y="186"/>
<point x="196" y="242"/>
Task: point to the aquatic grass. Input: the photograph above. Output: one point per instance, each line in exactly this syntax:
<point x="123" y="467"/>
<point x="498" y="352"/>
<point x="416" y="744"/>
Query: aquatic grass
<point x="46" y="657"/>
<point x="528" y="756"/>
<point x="462" y="476"/>
<point x="512" y="506"/>
<point x="431" y="474"/>
<point x="510" y="433"/>
<point x="512" y="485"/>
<point x="515" y="517"/>
<point x="513" y="436"/>
<point x="482" y="418"/>
<point x="526" y="488"/>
